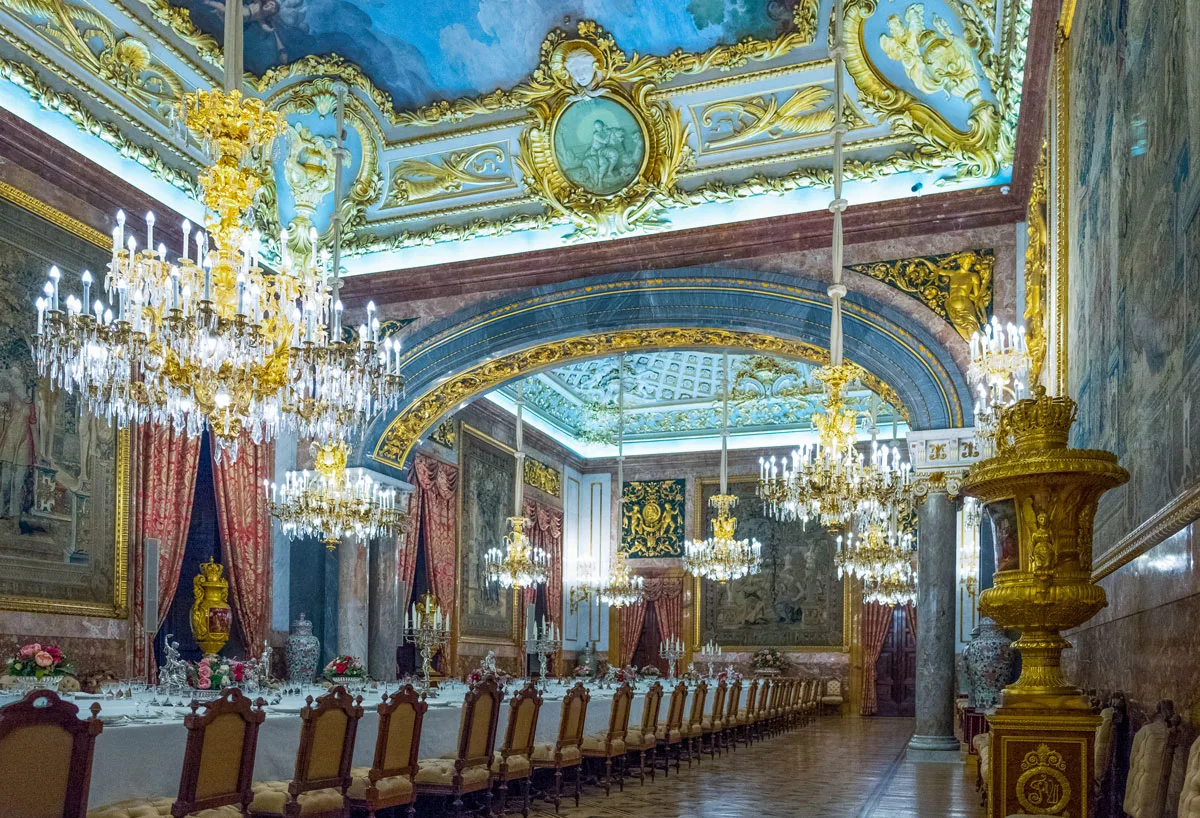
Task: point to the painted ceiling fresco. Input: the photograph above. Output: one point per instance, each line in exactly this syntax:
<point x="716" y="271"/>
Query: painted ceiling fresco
<point x="419" y="52"/>
<point x="677" y="394"/>
<point x="489" y="127"/>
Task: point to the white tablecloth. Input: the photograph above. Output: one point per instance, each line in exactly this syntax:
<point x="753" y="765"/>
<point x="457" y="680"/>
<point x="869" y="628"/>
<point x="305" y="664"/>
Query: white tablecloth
<point x="142" y="759"/>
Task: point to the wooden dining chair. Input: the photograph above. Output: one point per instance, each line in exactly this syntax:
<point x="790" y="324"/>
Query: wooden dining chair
<point x="388" y="782"/>
<point x="745" y="718"/>
<point x="218" y="761"/>
<point x="46" y="757"/>
<point x="733" y="702"/>
<point x="760" y="715"/>
<point x="328" y="727"/>
<point x="565" y="752"/>
<point x="469" y="770"/>
<point x="610" y="744"/>
<point x="644" y="739"/>
<point x="692" y="729"/>
<point x="670" y="735"/>
<point x="712" y="725"/>
<point x="513" y="761"/>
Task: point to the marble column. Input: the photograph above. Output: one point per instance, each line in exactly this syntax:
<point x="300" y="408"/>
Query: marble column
<point x="383" y="615"/>
<point x="353" y="596"/>
<point x="936" y="591"/>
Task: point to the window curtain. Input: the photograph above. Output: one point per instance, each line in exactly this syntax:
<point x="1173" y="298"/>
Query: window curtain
<point x="666" y="593"/>
<point x="910" y="614"/>
<point x="876" y="622"/>
<point x="631" y="618"/>
<point x="406" y="546"/>
<point x="244" y="522"/>
<point x="546" y="532"/>
<point x="164" y="487"/>
<point x="436" y="484"/>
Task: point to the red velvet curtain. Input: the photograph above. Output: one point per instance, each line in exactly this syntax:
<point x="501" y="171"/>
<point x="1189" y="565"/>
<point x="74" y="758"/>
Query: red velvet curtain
<point x="406" y="545"/>
<point x="164" y="487"/>
<point x="876" y="622"/>
<point x="667" y="595"/>
<point x="631" y="618"/>
<point x="910" y="618"/>
<point x="244" y="522"/>
<point x="437" y="513"/>
<point x="546" y="532"/>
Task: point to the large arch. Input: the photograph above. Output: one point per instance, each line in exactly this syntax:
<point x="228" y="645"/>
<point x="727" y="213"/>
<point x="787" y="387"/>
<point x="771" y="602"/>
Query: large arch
<point x="486" y="345"/>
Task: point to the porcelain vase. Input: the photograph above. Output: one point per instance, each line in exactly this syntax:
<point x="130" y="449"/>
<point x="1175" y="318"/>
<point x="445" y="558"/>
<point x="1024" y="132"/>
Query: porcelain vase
<point x="303" y="652"/>
<point x="991" y="662"/>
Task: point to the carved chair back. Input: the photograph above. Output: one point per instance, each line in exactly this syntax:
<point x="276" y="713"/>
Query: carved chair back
<point x="764" y="695"/>
<point x="1150" y="762"/>
<point x="675" y="711"/>
<point x="1189" y="796"/>
<point x="618" y="717"/>
<point x="523" y="713"/>
<point x="574" y="714"/>
<point x="328" y="728"/>
<point x="46" y="757"/>
<point x="398" y="741"/>
<point x="218" y="759"/>
<point x="477" y="734"/>
<point x="718" y="705"/>
<point x="650" y="708"/>
<point x="751" y="697"/>
<point x="733" y="703"/>
<point x="699" y="697"/>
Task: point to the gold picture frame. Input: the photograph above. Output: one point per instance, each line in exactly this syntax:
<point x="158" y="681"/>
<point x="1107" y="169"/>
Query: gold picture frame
<point x="698" y="588"/>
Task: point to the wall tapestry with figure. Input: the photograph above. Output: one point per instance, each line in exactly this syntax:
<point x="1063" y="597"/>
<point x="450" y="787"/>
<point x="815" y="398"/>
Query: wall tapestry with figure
<point x="488" y="471"/>
<point x="652" y="518"/>
<point x="60" y="549"/>
<point x="796" y="600"/>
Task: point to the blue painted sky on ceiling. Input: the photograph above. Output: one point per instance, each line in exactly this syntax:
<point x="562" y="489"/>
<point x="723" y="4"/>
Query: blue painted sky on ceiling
<point x="422" y="50"/>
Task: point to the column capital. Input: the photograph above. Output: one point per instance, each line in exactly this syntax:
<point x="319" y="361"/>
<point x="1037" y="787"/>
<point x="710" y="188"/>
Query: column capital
<point x="940" y="459"/>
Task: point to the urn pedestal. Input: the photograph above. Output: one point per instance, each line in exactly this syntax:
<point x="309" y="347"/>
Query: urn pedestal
<point x="1040" y="499"/>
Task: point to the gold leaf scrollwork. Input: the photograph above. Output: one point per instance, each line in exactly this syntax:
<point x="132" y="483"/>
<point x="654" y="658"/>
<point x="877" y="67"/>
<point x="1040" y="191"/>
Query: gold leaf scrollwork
<point x="977" y="150"/>
<point x="446" y="434"/>
<point x="591" y="67"/>
<point x="766" y="115"/>
<point x="956" y="286"/>
<point x="543" y="477"/>
<point x="1037" y="260"/>
<point x="419" y="180"/>
<point x="417" y="417"/>
<point x="934" y="59"/>
<point x="1043" y="787"/>
<point x="652" y="518"/>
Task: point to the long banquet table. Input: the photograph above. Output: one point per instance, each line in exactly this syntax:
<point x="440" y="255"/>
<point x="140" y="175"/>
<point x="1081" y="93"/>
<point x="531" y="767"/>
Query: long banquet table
<point x="139" y="754"/>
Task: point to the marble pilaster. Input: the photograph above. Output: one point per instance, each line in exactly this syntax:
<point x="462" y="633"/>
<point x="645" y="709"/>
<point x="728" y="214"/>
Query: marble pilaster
<point x="353" y="599"/>
<point x="383" y="612"/>
<point x="936" y="592"/>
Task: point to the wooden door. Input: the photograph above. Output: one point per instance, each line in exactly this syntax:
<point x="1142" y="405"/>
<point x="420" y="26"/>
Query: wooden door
<point x="896" y="670"/>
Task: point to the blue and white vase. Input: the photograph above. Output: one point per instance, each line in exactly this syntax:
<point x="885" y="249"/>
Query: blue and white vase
<point x="991" y="664"/>
<point x="303" y="652"/>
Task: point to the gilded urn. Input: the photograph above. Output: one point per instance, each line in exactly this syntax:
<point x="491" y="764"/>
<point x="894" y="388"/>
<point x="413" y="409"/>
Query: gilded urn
<point x="212" y="617"/>
<point x="1040" y="498"/>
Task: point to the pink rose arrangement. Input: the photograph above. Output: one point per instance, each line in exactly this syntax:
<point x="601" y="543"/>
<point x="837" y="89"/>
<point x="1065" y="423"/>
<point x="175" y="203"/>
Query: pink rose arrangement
<point x="210" y="674"/>
<point x="499" y="676"/>
<point x="346" y="666"/>
<point x="37" y="660"/>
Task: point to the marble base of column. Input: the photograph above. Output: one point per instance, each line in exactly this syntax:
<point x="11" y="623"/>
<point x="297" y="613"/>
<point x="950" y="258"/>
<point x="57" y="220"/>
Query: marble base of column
<point x="353" y="596"/>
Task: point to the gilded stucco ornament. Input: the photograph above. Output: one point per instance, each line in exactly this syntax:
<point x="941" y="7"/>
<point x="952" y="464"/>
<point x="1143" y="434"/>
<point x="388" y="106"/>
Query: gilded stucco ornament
<point x="542" y="477"/>
<point x="956" y="286"/>
<point x="1037" y="264"/>
<point x="599" y="153"/>
<point x="977" y="149"/>
<point x="418" y="180"/>
<point x="1040" y="497"/>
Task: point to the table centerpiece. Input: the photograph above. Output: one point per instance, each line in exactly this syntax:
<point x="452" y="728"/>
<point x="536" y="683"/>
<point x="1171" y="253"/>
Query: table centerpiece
<point x="37" y="666"/>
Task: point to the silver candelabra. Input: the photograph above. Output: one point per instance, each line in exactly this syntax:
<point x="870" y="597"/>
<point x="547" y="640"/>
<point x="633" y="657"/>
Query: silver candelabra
<point x="427" y="628"/>
<point x="546" y="640"/>
<point x="671" y="650"/>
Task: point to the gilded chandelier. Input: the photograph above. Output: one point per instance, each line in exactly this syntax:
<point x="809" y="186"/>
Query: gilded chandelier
<point x="896" y="587"/>
<point x="999" y="369"/>
<point x="211" y="337"/>
<point x="621" y="587"/>
<point x="332" y="503"/>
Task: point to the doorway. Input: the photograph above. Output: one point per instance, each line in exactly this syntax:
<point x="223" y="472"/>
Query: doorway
<point x="896" y="669"/>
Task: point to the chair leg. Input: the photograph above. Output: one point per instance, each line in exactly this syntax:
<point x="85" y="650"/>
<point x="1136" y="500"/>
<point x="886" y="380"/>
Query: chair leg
<point x="607" y="777"/>
<point x="642" y="767"/>
<point x="525" y="796"/>
<point x="557" y="788"/>
<point x="653" y="761"/>
<point x="503" y="805"/>
<point x="578" y="782"/>
<point x="458" y="806"/>
<point x="412" y="809"/>
<point x="622" y="764"/>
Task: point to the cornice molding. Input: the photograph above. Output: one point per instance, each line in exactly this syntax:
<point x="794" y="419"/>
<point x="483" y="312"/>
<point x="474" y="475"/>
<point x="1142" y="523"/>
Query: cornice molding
<point x="1168" y="521"/>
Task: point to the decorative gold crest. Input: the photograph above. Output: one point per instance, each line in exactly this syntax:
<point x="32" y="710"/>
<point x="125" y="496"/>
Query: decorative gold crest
<point x="543" y="477"/>
<point x="445" y="434"/>
<point x="600" y="152"/>
<point x="652" y="518"/>
<point x="1043" y="787"/>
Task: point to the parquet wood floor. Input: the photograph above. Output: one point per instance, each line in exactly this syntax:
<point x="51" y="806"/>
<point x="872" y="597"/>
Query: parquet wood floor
<point x="833" y="768"/>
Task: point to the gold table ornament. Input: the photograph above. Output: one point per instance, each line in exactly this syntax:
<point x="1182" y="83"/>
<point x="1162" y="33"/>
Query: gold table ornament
<point x="1041" y="498"/>
<point x="212" y="618"/>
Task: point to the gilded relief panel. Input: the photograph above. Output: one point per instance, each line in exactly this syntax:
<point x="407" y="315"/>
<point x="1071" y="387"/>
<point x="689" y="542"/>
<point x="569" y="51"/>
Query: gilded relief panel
<point x="488" y="472"/>
<point x="63" y="474"/>
<point x="796" y="600"/>
<point x="652" y="518"/>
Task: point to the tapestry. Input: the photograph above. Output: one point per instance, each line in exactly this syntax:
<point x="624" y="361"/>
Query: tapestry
<point x="58" y="470"/>
<point x="488" y="472"/>
<point x="652" y="518"/>
<point x="796" y="600"/>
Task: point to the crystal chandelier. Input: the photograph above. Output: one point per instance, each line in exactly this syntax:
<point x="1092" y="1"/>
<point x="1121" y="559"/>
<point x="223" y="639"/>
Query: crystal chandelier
<point x="332" y="503"/>
<point x="621" y="587"/>
<point x="897" y="587"/>
<point x="874" y="553"/>
<point x="209" y="337"/>
<point x="721" y="557"/>
<point x="999" y="370"/>
<point x="519" y="564"/>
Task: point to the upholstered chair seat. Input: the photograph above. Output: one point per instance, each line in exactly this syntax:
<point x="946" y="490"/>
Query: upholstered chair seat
<point x="637" y="740"/>
<point x="545" y="752"/>
<point x="565" y="752"/>
<point x="598" y="742"/>
<point x="271" y="796"/>
<point x="440" y="771"/>
<point x="983" y="746"/>
<point x="669" y="736"/>
<point x="393" y="787"/>
<point x="709" y="724"/>
<point x="159" y="808"/>
<point x="517" y="765"/>
<point x="1103" y="752"/>
<point x="1150" y="760"/>
<point x="1189" y="796"/>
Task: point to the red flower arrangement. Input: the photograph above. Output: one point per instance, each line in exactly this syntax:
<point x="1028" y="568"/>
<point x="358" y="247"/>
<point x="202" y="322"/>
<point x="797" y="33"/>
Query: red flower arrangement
<point x="345" y="666"/>
<point x="38" y="661"/>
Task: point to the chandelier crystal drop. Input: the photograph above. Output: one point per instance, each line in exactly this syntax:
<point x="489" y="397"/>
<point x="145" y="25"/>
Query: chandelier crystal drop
<point x="897" y="587"/>
<point x="722" y="557"/>
<point x="332" y="503"/>
<point x="999" y="372"/>
<point x="621" y="587"/>
<point x="210" y="337"/>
